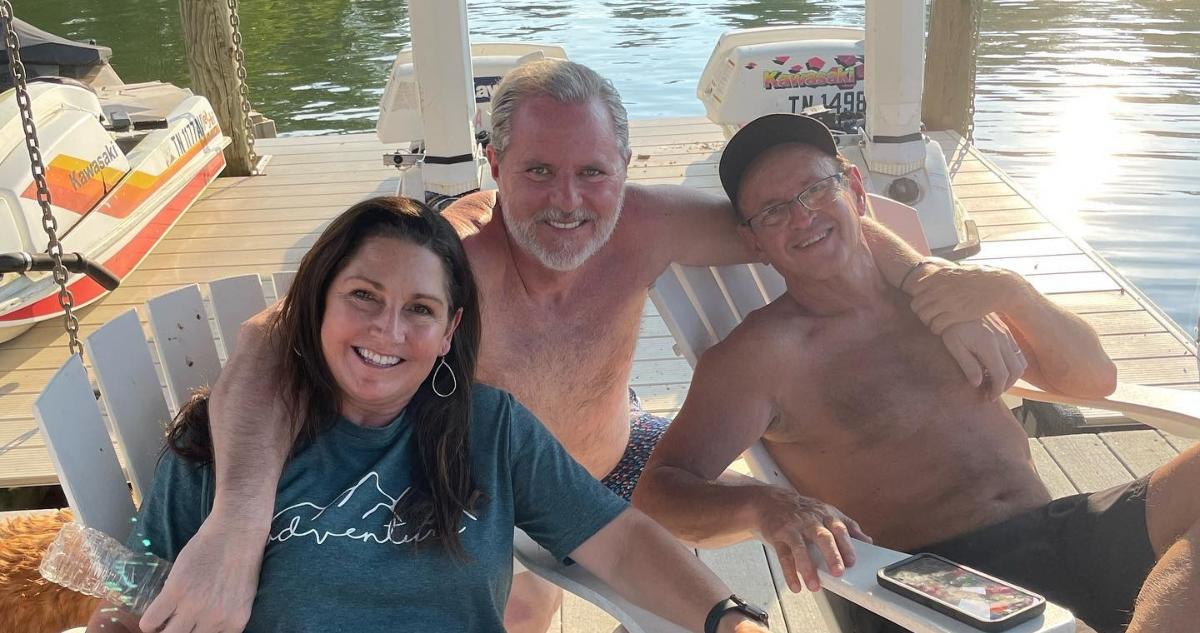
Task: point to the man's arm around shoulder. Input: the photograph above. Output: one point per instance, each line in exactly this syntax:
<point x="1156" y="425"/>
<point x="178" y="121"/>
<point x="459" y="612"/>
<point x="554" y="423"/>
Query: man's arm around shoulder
<point x="689" y="226"/>
<point x="213" y="581"/>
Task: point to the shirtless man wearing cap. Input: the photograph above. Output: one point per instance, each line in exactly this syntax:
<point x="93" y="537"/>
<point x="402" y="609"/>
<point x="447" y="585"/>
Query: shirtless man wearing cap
<point x="861" y="407"/>
<point x="563" y="285"/>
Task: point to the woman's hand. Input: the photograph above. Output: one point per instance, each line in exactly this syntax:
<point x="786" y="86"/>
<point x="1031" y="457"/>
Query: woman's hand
<point x="790" y="522"/>
<point x="958" y="294"/>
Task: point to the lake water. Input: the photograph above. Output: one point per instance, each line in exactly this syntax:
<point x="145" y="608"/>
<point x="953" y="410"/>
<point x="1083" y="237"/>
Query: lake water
<point x="1093" y="107"/>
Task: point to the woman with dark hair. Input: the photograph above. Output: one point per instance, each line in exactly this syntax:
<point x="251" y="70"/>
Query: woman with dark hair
<point x="396" y="509"/>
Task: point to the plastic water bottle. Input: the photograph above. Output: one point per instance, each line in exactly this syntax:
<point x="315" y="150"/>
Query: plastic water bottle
<point x="93" y="563"/>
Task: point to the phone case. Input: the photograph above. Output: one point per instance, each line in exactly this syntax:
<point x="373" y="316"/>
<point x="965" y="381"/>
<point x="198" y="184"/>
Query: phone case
<point x="952" y="611"/>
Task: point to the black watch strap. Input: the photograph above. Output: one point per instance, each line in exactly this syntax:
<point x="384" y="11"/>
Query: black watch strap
<point x="732" y="603"/>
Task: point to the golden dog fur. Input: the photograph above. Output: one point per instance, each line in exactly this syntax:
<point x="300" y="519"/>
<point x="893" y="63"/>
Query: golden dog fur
<point x="29" y="603"/>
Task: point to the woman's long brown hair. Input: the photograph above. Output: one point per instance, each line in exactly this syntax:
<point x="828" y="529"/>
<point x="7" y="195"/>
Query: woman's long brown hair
<point x="442" y="488"/>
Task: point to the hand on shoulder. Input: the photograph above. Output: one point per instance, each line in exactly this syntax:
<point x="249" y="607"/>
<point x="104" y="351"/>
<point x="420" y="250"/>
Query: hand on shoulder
<point x="987" y="353"/>
<point x="469" y="214"/>
<point x="950" y="294"/>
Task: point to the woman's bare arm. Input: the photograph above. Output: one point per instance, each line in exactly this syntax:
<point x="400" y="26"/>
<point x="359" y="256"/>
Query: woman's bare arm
<point x="636" y="556"/>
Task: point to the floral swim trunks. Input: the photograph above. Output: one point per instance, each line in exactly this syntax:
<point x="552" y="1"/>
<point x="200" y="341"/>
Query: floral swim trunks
<point x="645" y="430"/>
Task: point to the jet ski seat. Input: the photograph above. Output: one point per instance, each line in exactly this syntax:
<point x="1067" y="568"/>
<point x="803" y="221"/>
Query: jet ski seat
<point x="47" y="54"/>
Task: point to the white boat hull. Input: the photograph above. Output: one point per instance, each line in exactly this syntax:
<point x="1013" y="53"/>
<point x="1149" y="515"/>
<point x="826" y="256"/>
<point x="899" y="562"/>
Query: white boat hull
<point x="111" y="207"/>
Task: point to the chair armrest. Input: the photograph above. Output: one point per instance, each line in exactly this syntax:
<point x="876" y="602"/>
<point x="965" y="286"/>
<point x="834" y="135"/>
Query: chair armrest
<point x="1171" y="410"/>
<point x="579" y="581"/>
<point x="859" y="585"/>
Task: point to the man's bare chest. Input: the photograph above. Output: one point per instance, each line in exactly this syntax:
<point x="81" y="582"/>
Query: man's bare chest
<point x="568" y="352"/>
<point x="862" y="389"/>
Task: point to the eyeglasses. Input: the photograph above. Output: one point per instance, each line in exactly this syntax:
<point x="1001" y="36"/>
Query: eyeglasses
<point x="818" y="195"/>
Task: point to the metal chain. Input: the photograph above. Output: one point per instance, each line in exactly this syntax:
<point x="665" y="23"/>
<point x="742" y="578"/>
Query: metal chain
<point x="976" y="26"/>
<point x="17" y="71"/>
<point x="243" y="90"/>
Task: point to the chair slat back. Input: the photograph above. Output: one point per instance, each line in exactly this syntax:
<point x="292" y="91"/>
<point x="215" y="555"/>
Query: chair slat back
<point x="234" y="300"/>
<point x="132" y="395"/>
<point x="79" y="445"/>
<point x="692" y="331"/>
<point x="283" y="282"/>
<point x="742" y="285"/>
<point x="772" y="282"/>
<point x="703" y="286"/>
<point x="184" y="341"/>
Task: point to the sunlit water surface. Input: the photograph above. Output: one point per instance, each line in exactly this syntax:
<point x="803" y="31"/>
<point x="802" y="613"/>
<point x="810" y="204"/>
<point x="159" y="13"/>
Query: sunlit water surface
<point x="1092" y="106"/>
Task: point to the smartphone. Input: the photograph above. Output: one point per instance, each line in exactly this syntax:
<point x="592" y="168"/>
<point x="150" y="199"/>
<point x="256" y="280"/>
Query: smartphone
<point x="967" y="595"/>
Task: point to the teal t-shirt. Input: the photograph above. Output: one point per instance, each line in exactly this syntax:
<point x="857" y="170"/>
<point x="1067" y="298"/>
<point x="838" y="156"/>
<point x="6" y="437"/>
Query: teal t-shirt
<point x="338" y="561"/>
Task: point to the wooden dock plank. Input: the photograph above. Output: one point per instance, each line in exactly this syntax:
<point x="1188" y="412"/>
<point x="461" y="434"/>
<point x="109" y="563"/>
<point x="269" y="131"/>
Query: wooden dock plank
<point x="1043" y="264"/>
<point x="1086" y="461"/>
<point x="1180" y="444"/>
<point x="1006" y="217"/>
<point x="1028" y="231"/>
<point x="800" y="611"/>
<point x="1098" y="301"/>
<point x="745" y="569"/>
<point x="1139" y="451"/>
<point x="581" y="616"/>
<point x="1130" y="322"/>
<point x="338" y="201"/>
<point x="1051" y="473"/>
<point x="250" y="194"/>
<point x="1155" y="346"/>
<point x="1027" y="248"/>
<point x="243" y="235"/>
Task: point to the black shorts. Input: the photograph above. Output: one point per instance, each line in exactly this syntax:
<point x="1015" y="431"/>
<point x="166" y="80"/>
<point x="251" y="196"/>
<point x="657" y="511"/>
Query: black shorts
<point x="1089" y="553"/>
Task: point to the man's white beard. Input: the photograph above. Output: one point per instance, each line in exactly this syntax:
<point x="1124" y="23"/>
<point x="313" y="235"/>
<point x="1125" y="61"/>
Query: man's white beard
<point x="560" y="256"/>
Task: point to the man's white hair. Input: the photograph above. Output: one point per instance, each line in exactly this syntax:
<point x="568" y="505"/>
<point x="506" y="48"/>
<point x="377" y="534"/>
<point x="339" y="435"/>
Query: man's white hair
<point x="561" y="80"/>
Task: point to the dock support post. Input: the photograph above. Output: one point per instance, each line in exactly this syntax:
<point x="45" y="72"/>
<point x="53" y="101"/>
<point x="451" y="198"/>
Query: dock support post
<point x="950" y="65"/>
<point x="208" y="40"/>
<point x="441" y="49"/>
<point x="894" y="57"/>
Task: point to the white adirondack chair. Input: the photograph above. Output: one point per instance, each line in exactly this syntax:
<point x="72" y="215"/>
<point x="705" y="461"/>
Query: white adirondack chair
<point x="702" y="305"/>
<point x="138" y="406"/>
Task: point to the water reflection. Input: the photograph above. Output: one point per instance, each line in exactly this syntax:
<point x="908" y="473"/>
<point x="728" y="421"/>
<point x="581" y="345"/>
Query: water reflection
<point x="745" y="14"/>
<point x="1093" y="107"/>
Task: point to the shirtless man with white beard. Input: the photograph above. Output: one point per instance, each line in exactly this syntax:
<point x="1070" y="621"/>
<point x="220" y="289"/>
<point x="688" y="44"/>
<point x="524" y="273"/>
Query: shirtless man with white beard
<point x="564" y="255"/>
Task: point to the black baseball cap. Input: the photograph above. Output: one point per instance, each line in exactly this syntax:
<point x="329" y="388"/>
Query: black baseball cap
<point x="763" y="133"/>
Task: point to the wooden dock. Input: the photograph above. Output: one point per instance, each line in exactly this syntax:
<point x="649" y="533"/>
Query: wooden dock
<point x="265" y="224"/>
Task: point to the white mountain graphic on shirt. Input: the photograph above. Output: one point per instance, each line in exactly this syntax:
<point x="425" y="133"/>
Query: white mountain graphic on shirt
<point x="362" y="512"/>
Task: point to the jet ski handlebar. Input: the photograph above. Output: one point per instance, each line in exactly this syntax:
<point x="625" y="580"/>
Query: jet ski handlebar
<point x="21" y="262"/>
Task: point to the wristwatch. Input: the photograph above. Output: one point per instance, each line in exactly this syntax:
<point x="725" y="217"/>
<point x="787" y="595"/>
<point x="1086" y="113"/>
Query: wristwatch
<point x="733" y="603"/>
